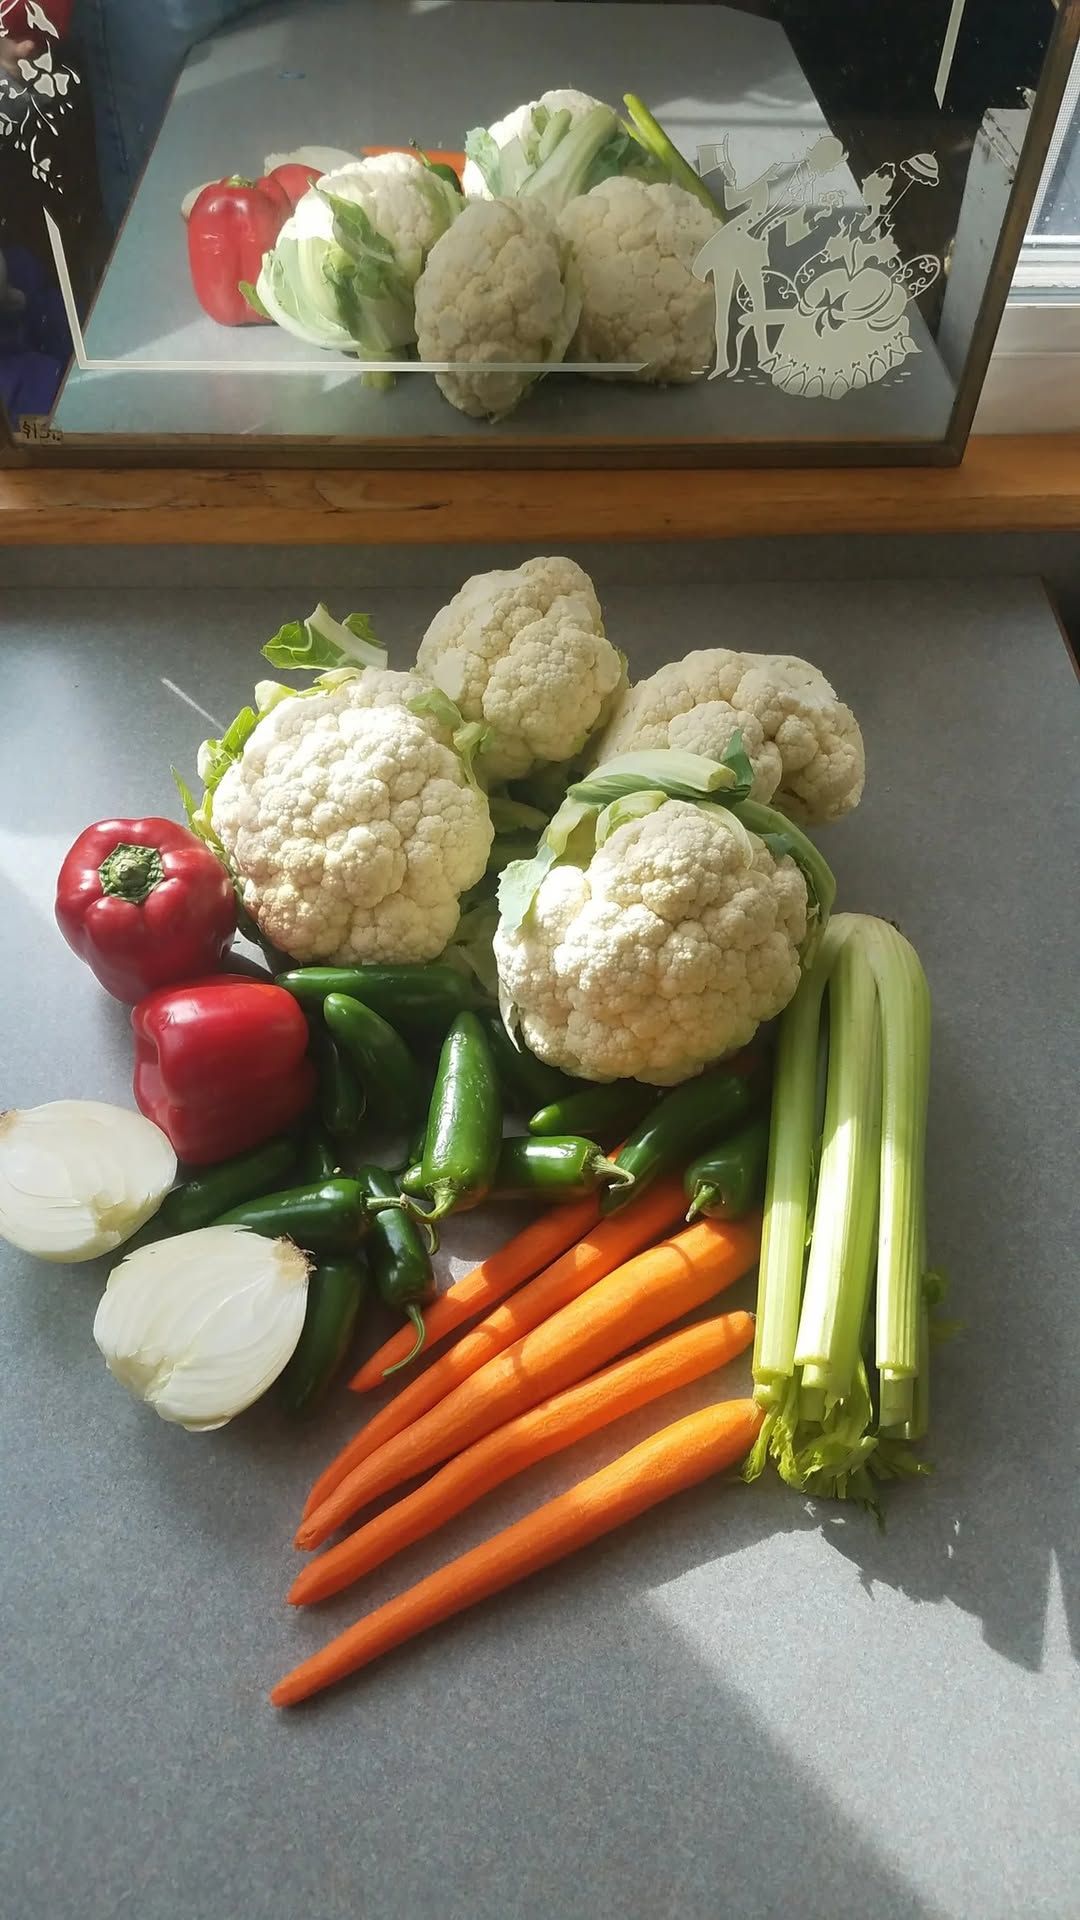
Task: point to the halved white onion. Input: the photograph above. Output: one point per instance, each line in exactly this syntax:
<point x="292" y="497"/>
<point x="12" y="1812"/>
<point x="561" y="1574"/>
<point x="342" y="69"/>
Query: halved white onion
<point x="200" y="1325"/>
<point x="78" y="1177"/>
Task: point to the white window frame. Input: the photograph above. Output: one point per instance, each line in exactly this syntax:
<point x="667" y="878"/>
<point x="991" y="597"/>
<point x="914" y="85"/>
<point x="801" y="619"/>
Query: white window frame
<point x="1033" y="380"/>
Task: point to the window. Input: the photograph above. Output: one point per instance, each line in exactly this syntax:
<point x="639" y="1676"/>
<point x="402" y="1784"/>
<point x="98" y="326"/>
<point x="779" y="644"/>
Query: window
<point x="1050" y="261"/>
<point x="1033" y="382"/>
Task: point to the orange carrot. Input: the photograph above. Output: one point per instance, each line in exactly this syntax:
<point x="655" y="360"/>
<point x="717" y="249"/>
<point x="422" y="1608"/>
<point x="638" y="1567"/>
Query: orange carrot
<point x="647" y="1293"/>
<point x="601" y="1250"/>
<point x="677" y="1457"/>
<point x="436" y="155"/>
<point x="556" y="1423"/>
<point x="486" y="1284"/>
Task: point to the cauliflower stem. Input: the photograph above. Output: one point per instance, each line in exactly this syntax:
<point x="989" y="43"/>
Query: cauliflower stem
<point x="647" y="131"/>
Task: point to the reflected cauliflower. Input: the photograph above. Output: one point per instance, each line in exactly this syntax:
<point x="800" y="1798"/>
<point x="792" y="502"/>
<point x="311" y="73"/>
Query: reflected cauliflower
<point x="635" y="246"/>
<point x="804" y="744"/>
<point x="499" y="287"/>
<point x="510" y="149"/>
<point x="662" y="955"/>
<point x="352" y="824"/>
<point x="405" y="201"/>
<point x="524" y="652"/>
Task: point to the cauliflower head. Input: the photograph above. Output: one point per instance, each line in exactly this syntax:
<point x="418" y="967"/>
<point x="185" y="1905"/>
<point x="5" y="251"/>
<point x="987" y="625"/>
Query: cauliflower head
<point x="662" y="955"/>
<point x="352" y="825"/>
<point x="523" y="651"/>
<point x="502" y="157"/>
<point x="804" y="744"/>
<point x="405" y="201"/>
<point x="499" y="287"/>
<point x="635" y="246"/>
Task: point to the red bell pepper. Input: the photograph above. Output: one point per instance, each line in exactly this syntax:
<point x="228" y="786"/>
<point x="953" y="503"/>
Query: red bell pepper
<point x="144" y="903"/>
<point x="232" y="224"/>
<point x="221" y="1065"/>
<point x="294" y="179"/>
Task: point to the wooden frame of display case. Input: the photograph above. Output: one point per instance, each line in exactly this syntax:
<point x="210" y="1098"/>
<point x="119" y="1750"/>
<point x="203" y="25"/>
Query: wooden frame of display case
<point x="1005" y="485"/>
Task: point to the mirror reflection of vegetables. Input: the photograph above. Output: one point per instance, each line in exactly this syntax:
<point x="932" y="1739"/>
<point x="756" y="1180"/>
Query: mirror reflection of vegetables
<point x="342" y="270"/>
<point x="464" y="1130"/>
<point x="400" y="1262"/>
<point x="727" y="1181"/>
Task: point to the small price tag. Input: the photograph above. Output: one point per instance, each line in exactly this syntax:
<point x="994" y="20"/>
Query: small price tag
<point x="35" y="426"/>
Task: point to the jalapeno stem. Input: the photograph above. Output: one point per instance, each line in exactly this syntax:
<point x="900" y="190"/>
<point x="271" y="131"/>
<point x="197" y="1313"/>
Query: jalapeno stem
<point x="413" y="1313"/>
<point x="704" y="1197"/>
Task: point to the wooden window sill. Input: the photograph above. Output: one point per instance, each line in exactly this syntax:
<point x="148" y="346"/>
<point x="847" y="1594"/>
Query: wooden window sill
<point x="1005" y="485"/>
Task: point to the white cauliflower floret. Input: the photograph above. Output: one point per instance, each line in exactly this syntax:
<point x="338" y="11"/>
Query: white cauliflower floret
<point x="516" y="140"/>
<point x="352" y="826"/>
<point x="635" y="246"/>
<point x="405" y="201"/>
<point x="499" y="288"/>
<point x="664" y="954"/>
<point x="524" y="652"/>
<point x="804" y="744"/>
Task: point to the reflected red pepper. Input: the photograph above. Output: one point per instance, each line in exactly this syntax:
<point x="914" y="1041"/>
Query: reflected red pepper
<point x="232" y="224"/>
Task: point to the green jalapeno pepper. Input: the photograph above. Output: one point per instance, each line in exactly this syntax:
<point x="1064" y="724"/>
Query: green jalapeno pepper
<point x="426" y="997"/>
<point x="341" y="1098"/>
<point x="414" y="1150"/>
<point x="317" y="1159"/>
<point x="386" y="1068"/>
<point x="556" y="1168"/>
<point x="464" y="1129"/>
<point x="400" y="1262"/>
<point x="602" y="1113"/>
<point x="329" y="1215"/>
<point x="203" y="1198"/>
<point x="336" y="1293"/>
<point x="412" y="1180"/>
<point x="727" y="1180"/>
<point x="526" y="1081"/>
<point x="680" y="1125"/>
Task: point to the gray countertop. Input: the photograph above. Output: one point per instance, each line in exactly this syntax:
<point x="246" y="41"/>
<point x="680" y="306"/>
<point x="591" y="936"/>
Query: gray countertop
<point x="738" y="1706"/>
<point x="347" y="73"/>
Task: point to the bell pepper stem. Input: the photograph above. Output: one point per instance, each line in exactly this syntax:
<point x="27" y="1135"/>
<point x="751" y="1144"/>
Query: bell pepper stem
<point x="131" y="873"/>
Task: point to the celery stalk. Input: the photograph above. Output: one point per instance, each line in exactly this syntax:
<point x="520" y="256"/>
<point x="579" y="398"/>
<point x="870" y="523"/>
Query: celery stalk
<point x="905" y="1024"/>
<point x="843" y="1245"/>
<point x="787" y="1182"/>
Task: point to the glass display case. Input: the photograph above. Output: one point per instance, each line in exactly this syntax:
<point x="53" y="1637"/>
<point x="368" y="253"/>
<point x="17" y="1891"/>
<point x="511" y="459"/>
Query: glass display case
<point x="369" y="232"/>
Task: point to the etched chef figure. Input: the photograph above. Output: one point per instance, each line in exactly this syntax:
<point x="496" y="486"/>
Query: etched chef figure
<point x="738" y="253"/>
